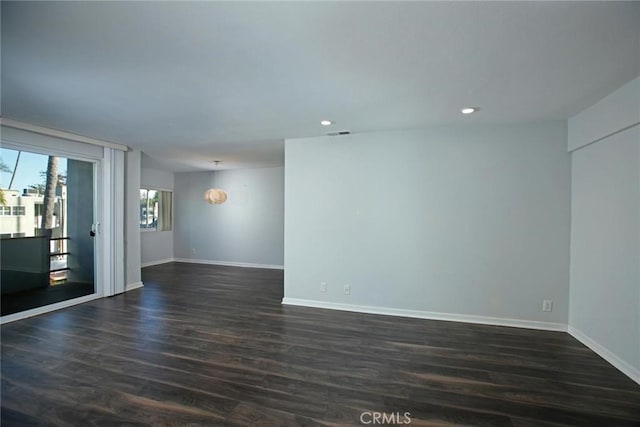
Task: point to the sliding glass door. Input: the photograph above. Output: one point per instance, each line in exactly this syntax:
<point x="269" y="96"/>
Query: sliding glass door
<point x="47" y="228"/>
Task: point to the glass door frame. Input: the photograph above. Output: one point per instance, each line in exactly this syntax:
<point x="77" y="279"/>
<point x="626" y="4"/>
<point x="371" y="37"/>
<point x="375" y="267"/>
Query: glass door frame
<point x="108" y="211"/>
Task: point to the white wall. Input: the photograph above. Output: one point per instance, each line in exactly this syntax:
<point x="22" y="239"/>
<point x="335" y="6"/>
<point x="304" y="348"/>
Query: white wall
<point x="246" y="230"/>
<point x="617" y="111"/>
<point x="132" y="219"/>
<point x="605" y="230"/>
<point x="471" y="221"/>
<point x="157" y="246"/>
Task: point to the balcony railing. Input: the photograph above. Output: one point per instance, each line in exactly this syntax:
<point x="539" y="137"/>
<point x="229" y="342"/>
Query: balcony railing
<point x="58" y="248"/>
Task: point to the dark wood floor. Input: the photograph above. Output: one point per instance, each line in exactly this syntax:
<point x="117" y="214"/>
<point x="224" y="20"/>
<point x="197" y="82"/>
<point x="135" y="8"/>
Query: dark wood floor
<point x="26" y="300"/>
<point x="207" y="345"/>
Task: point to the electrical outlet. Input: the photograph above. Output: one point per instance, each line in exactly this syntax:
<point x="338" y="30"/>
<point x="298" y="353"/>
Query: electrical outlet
<point x="347" y="289"/>
<point x="547" y="305"/>
<point x="193" y="251"/>
<point x="323" y="286"/>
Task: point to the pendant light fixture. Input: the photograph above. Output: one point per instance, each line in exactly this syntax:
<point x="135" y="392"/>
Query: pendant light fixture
<point x="215" y="196"/>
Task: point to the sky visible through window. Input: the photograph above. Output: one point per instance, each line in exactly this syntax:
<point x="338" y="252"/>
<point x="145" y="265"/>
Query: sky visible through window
<point x="29" y="168"/>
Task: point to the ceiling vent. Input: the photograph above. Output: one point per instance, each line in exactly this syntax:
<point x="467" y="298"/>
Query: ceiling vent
<point x="340" y="132"/>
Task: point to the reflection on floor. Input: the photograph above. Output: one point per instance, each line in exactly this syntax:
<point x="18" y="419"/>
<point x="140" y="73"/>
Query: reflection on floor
<point x="209" y="345"/>
<point x="26" y="300"/>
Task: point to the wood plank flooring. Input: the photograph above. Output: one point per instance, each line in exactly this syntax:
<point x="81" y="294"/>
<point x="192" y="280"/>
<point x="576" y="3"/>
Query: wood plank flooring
<point x="33" y="298"/>
<point x="212" y="345"/>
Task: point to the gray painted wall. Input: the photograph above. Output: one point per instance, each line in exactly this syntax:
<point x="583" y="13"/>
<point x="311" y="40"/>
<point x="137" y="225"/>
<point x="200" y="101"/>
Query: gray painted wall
<point x="471" y="220"/>
<point x="132" y="218"/>
<point x="605" y="233"/>
<point x="157" y="179"/>
<point x="616" y="111"/>
<point x="248" y="228"/>
<point x="157" y="246"/>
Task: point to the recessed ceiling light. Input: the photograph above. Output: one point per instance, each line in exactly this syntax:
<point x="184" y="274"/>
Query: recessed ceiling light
<point x="468" y="110"/>
<point x="326" y="122"/>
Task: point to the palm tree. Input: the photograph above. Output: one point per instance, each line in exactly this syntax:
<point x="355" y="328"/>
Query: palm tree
<point x="6" y="169"/>
<point x="15" y="168"/>
<point x="49" y="193"/>
<point x="62" y="178"/>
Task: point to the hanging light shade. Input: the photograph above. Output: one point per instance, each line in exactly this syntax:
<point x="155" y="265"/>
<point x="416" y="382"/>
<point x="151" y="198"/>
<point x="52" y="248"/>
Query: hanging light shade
<point x="215" y="196"/>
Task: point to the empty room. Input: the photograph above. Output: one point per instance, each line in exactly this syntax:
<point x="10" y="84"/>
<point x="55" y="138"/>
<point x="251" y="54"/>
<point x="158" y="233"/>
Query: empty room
<point x="320" y="213"/>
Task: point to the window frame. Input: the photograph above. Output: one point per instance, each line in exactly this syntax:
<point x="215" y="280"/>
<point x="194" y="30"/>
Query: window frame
<point x="18" y="210"/>
<point x="155" y="229"/>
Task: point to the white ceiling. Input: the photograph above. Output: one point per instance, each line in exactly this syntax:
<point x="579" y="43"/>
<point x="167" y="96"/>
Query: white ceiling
<point x="188" y="83"/>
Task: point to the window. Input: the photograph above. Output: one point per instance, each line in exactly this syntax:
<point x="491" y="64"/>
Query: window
<point x="148" y="208"/>
<point x="18" y="210"/>
<point x="5" y="210"/>
<point x="155" y="210"/>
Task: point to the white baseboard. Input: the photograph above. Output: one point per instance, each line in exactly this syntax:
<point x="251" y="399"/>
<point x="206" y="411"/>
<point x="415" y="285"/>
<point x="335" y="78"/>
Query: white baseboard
<point x="606" y="354"/>
<point x="430" y="315"/>
<point x="158" y="262"/>
<point x="230" y="263"/>
<point x="47" y="308"/>
<point x="134" y="285"/>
